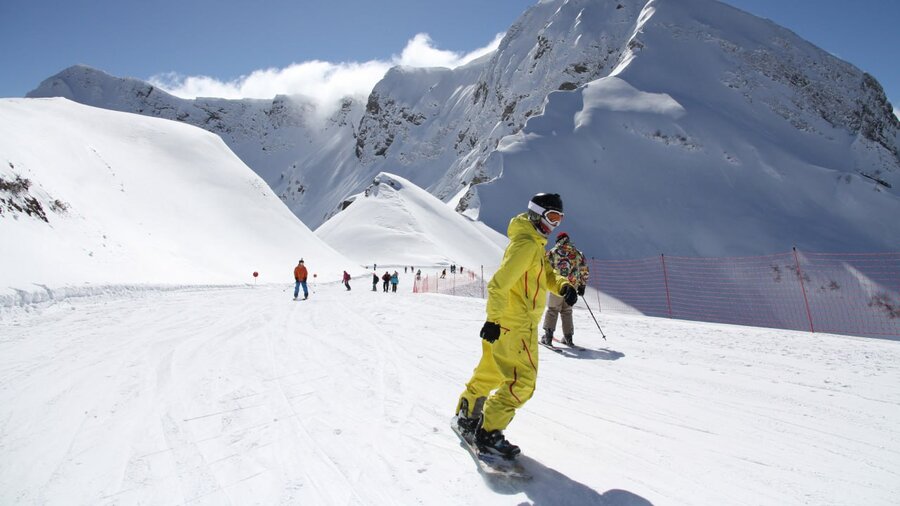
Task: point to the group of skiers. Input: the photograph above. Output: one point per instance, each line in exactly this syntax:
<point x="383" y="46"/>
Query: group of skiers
<point x="506" y="375"/>
<point x="388" y="280"/>
<point x="452" y="271"/>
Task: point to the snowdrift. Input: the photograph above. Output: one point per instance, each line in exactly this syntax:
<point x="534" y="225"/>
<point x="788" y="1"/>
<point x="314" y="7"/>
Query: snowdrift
<point x="395" y="222"/>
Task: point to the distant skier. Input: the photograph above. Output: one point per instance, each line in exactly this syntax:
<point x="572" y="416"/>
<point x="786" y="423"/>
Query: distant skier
<point x="443" y="273"/>
<point x="395" y="279"/>
<point x="386" y="279"/>
<point x="419" y="275"/>
<point x="506" y="376"/>
<point x="374" y="281"/>
<point x="347" y="280"/>
<point x="300" y="275"/>
<point x="565" y="258"/>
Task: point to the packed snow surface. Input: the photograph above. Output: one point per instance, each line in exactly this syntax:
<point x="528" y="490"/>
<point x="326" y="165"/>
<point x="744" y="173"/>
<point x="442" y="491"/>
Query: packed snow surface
<point x="243" y="396"/>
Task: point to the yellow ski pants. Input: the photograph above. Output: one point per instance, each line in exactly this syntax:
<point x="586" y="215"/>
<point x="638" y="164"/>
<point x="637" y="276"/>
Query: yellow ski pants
<point x="508" y="368"/>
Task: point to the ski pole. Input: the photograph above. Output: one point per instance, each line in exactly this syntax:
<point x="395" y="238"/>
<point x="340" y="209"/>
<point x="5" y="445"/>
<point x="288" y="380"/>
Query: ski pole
<point x="595" y="318"/>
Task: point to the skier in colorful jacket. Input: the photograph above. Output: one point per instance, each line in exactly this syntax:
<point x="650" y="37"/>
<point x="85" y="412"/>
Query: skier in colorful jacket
<point x="300" y="275"/>
<point x="565" y="259"/>
<point x="516" y="296"/>
<point x="395" y="278"/>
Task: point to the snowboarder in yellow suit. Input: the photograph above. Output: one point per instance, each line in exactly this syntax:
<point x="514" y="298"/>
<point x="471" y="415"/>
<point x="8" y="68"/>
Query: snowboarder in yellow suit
<point x="517" y="294"/>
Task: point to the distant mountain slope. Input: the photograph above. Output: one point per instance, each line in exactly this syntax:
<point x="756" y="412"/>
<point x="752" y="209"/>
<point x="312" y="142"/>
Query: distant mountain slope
<point x="755" y="103"/>
<point x="394" y="221"/>
<point x="94" y="196"/>
<point x="721" y="134"/>
<point x="664" y="178"/>
<point x="270" y="136"/>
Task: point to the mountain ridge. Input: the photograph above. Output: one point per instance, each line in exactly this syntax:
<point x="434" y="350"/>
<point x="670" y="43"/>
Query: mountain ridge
<point x="440" y="128"/>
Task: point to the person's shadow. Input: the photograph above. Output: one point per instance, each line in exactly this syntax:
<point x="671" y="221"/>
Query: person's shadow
<point x="590" y="353"/>
<point x="549" y="487"/>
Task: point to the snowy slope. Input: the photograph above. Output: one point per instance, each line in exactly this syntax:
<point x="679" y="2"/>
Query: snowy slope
<point x="717" y="194"/>
<point x="395" y="222"/>
<point x="250" y="398"/>
<point x="122" y="199"/>
<point x="270" y="136"/>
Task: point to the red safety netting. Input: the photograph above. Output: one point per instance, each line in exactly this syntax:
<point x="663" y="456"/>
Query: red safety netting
<point x="839" y="293"/>
<point x="466" y="283"/>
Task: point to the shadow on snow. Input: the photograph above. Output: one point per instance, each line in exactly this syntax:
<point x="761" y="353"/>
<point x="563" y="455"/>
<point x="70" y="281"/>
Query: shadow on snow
<point x="552" y="487"/>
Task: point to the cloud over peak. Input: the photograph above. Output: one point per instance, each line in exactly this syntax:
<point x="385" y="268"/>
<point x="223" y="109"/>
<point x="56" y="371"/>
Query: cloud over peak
<point x="324" y="82"/>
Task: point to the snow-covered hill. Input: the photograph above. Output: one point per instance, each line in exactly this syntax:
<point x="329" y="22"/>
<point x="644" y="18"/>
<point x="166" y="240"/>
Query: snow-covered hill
<point x="695" y="111"/>
<point x="92" y="197"/>
<point x="394" y="221"/>
<point x="270" y="136"/>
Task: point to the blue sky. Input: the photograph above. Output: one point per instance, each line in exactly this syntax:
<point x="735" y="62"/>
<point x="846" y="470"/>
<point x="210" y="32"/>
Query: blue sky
<point x="167" y="41"/>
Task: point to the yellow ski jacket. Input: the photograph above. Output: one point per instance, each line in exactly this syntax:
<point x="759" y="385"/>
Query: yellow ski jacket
<point x="517" y="293"/>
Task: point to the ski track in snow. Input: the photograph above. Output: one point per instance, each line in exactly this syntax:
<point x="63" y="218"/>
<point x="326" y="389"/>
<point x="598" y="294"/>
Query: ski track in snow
<point x="243" y="396"/>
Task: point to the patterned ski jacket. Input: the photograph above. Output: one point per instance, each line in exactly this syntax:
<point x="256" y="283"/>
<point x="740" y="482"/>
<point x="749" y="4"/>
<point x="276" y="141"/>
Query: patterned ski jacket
<point x="569" y="262"/>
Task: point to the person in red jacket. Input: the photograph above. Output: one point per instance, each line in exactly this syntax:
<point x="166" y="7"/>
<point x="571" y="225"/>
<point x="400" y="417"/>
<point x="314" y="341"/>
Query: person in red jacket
<point x="300" y="275"/>
<point x="347" y="280"/>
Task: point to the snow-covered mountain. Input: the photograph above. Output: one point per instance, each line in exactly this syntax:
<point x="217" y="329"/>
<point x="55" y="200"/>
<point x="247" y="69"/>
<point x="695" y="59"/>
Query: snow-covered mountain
<point x="270" y="136"/>
<point x="96" y="197"/>
<point x="400" y="223"/>
<point x="685" y="127"/>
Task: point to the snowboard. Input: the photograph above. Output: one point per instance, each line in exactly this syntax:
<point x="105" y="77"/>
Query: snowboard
<point x="490" y="465"/>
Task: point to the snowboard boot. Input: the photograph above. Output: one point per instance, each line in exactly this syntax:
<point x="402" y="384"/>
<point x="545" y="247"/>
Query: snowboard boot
<point x="495" y="443"/>
<point x="468" y="423"/>
<point x="547" y="338"/>
<point x="567" y="340"/>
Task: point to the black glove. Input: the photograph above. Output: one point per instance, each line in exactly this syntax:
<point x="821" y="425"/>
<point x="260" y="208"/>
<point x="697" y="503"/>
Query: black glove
<point x="581" y="290"/>
<point x="570" y="295"/>
<point x="490" y="332"/>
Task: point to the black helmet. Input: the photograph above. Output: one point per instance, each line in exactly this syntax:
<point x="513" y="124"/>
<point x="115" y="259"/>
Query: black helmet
<point x="545" y="210"/>
<point x="548" y="201"/>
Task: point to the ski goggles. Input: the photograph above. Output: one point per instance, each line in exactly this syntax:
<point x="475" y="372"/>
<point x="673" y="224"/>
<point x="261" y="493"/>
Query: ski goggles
<point x="551" y="216"/>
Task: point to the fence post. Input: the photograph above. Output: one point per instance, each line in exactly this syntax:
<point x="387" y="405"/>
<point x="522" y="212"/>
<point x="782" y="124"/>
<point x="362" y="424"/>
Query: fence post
<point x="666" y="279"/>
<point x="803" y="289"/>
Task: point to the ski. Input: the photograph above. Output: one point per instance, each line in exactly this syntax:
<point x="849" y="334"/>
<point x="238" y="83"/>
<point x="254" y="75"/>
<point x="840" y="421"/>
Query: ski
<point x="570" y="346"/>
<point x="492" y="466"/>
<point x="551" y="347"/>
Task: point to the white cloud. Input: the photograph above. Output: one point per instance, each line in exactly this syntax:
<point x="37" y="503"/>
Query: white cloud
<point x="420" y="52"/>
<point x="325" y="82"/>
